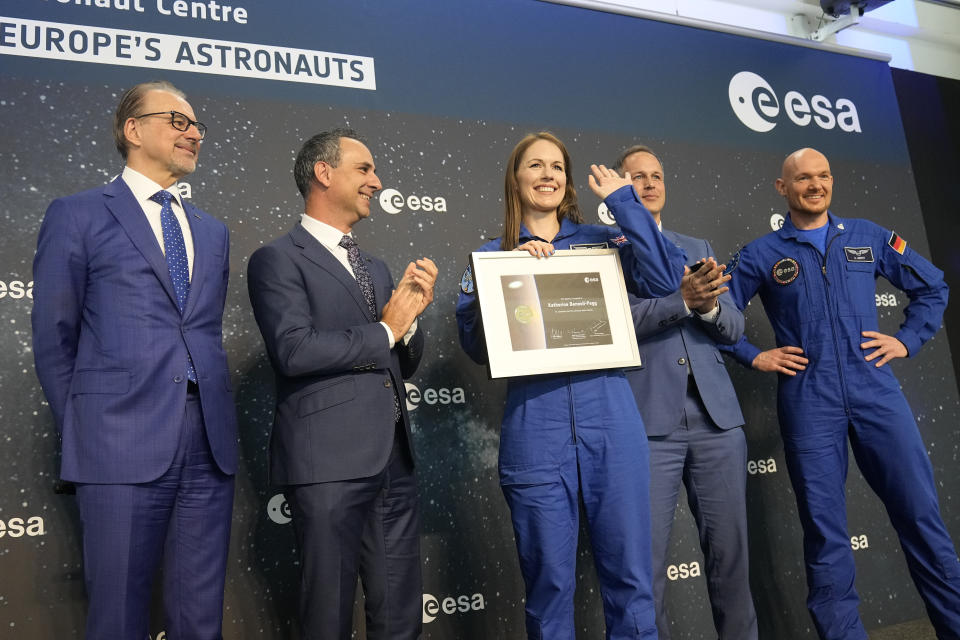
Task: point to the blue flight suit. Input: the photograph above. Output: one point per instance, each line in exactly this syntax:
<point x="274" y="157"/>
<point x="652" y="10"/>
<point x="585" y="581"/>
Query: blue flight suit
<point x="821" y="302"/>
<point x="565" y="434"/>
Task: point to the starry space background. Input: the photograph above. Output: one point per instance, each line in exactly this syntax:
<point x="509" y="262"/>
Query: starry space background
<point x="57" y="140"/>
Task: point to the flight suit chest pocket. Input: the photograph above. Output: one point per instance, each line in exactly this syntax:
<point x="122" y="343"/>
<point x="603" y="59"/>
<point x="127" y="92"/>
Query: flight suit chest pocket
<point x="859" y="289"/>
<point x="795" y="289"/>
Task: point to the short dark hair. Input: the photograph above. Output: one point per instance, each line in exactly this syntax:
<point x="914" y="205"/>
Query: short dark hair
<point x="130" y="104"/>
<point x="323" y="147"/>
<point x="629" y="151"/>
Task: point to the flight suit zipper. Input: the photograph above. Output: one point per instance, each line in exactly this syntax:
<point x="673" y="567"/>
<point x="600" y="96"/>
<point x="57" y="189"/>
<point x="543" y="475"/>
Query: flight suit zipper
<point x="833" y="320"/>
<point x="573" y="409"/>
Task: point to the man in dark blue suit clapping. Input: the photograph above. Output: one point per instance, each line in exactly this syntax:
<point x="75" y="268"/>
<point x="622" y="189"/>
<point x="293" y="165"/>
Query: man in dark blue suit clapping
<point x="341" y="341"/>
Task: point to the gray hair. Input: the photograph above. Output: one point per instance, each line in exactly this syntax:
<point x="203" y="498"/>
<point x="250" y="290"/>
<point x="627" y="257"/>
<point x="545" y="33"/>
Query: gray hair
<point x="130" y="105"/>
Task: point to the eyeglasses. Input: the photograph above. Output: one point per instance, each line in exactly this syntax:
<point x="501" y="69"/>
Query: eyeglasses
<point x="179" y="121"/>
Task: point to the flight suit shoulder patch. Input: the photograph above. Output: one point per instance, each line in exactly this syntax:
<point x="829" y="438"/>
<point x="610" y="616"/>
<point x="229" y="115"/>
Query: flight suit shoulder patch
<point x="897" y="243"/>
<point x="466" y="280"/>
<point x="733" y="263"/>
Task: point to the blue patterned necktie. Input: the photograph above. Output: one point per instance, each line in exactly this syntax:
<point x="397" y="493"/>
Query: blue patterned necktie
<point x="365" y="282"/>
<point x="176" y="254"/>
<point x="360" y="272"/>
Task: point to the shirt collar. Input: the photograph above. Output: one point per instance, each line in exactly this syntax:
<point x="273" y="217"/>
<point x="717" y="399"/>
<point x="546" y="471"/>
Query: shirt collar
<point x="143" y="187"/>
<point x="327" y="235"/>
<point x="834" y="225"/>
<point x="567" y="228"/>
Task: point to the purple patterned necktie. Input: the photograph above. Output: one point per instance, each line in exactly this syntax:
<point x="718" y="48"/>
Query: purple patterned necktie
<point x="360" y="272"/>
<point x="365" y="283"/>
<point x="175" y="251"/>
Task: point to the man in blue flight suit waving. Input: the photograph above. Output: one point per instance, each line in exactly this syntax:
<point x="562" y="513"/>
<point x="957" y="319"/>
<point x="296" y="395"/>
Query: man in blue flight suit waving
<point x="816" y="279"/>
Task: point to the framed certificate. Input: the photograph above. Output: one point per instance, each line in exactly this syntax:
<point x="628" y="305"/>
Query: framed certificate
<point x="568" y="312"/>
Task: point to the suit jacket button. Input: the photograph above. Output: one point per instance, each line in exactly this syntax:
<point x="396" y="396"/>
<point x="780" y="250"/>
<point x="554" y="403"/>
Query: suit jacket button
<point x="386" y="383"/>
<point x="178" y="379"/>
<point x="682" y="361"/>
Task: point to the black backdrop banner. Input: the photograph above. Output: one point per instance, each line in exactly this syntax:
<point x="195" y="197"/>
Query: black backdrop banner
<point x="442" y="91"/>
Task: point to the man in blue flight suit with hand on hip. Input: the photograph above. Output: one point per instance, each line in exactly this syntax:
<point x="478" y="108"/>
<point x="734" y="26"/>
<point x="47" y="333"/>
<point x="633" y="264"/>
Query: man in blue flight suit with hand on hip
<point x="816" y="279"/>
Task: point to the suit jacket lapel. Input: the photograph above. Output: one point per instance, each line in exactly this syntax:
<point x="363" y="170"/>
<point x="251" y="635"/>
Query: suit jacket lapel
<point x="203" y="244"/>
<point x="381" y="287"/>
<point x="318" y="254"/>
<point x="120" y="202"/>
<point x="681" y="242"/>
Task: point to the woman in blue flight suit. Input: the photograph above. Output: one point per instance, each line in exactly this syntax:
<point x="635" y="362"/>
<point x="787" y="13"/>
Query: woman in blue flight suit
<point x="579" y="433"/>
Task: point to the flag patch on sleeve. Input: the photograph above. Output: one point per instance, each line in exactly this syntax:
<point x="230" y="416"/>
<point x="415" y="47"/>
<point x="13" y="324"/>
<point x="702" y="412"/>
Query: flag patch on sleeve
<point x="897" y="243"/>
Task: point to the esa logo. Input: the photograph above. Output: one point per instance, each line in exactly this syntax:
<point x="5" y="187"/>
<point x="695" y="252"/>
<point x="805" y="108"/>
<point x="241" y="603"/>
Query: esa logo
<point x="433" y="607"/>
<point x="859" y="542"/>
<point x="279" y="509"/>
<point x="606" y="216"/>
<point x="19" y="527"/>
<point x="16" y="289"/>
<point x="755" y="103"/>
<point x="392" y="201"/>
<point x="683" y="571"/>
<point x="442" y="395"/>
<point x="761" y="466"/>
<point x="886" y="300"/>
<point x="589" y="279"/>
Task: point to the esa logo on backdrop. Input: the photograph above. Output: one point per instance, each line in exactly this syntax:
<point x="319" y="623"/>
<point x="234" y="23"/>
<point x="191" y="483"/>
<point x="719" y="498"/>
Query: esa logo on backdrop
<point x="756" y="105"/>
<point x="449" y="605"/>
<point x="279" y="509"/>
<point x="18" y="527"/>
<point x="605" y="215"/>
<point x="761" y="466"/>
<point x="683" y="571"/>
<point x="431" y="396"/>
<point x="392" y="201"/>
<point x="16" y="289"/>
<point x="886" y="299"/>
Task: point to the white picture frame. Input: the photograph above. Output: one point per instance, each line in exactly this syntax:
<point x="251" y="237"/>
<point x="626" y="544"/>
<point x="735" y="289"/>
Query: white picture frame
<point x="569" y="312"/>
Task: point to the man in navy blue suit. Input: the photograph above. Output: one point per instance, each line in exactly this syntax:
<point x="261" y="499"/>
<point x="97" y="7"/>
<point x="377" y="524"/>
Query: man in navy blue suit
<point x="692" y="417"/>
<point x="129" y="288"/>
<point x="341" y="340"/>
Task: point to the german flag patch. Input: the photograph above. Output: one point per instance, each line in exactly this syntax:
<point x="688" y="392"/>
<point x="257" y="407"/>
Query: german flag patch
<point x="897" y="243"/>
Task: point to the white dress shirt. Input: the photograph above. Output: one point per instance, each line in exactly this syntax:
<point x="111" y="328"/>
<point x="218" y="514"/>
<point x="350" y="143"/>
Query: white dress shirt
<point x="330" y="237"/>
<point x="142" y="188"/>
